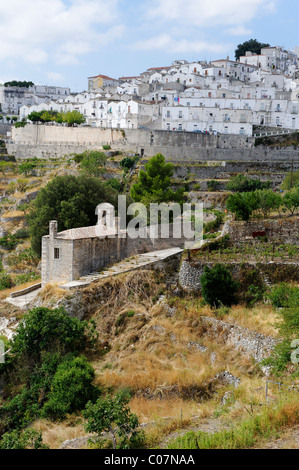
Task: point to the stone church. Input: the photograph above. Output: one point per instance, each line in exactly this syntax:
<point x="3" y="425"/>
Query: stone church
<point x="68" y="255"/>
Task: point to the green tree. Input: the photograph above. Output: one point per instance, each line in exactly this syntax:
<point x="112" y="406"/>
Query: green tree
<point x="291" y="200"/>
<point x="93" y="162"/>
<point x="242" y="204"/>
<point x="251" y="45"/>
<point x="21" y="84"/>
<point x="113" y="415"/>
<point x="218" y="286"/>
<point x="35" y="116"/>
<point x="241" y="183"/>
<point x="26" y="168"/>
<point x="268" y="200"/>
<point x="73" y="117"/>
<point x="45" y="330"/>
<point x="154" y="183"/>
<point x="48" y="116"/>
<point x="71" y="388"/>
<point x="71" y="201"/>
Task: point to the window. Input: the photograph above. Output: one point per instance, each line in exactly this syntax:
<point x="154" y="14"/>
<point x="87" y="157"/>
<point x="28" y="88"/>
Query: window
<point x="168" y="114"/>
<point x="56" y="253"/>
<point x="180" y="114"/>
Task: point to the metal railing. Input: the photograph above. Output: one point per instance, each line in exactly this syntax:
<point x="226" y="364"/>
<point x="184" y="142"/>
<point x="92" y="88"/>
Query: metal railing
<point x="264" y="134"/>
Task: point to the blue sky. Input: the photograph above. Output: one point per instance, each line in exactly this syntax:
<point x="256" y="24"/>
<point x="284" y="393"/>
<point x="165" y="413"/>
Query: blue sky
<point x="63" y="42"/>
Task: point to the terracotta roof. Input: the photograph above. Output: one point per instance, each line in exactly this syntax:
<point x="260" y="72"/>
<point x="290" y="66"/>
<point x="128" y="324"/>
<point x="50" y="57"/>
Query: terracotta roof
<point x="103" y="76"/>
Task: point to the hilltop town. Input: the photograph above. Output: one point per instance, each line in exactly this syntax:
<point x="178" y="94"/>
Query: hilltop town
<point x="224" y="96"/>
<point x="178" y="346"/>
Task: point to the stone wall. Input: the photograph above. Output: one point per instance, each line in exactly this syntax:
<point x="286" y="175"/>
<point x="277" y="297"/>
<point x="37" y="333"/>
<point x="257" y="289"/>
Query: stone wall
<point x="253" y="344"/>
<point x="201" y="172"/>
<point x="284" y="230"/>
<point x="191" y="272"/>
<point x="4" y="128"/>
<point x="83" y="256"/>
<point x="53" y="141"/>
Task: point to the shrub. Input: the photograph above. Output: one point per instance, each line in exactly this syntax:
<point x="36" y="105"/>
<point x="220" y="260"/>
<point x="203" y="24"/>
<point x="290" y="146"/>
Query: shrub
<point x="26" y="167"/>
<point x="284" y="296"/>
<point x="218" y="287"/>
<point x="26" y="277"/>
<point x="5" y="281"/>
<point x="48" y="330"/>
<point x="22" y="233"/>
<point x="21" y="185"/>
<point x="113" y="415"/>
<point x="71" y="388"/>
<point x="214" y="225"/>
<point x="8" y="242"/>
<point x="291" y="180"/>
<point x="241" y="183"/>
<point x="93" y="162"/>
<point x="28" y="439"/>
<point x="128" y="163"/>
<point x="106" y="147"/>
<point x="20" y="124"/>
<point x="212" y="185"/>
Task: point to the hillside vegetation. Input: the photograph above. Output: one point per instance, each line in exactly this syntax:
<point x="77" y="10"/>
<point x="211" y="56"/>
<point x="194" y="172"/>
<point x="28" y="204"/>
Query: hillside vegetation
<point x="191" y="366"/>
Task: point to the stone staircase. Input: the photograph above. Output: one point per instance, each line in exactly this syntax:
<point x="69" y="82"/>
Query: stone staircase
<point x="128" y="264"/>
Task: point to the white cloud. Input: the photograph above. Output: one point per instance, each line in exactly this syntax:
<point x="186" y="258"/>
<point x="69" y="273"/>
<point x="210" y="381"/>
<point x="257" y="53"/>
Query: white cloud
<point x="239" y="31"/>
<point x="166" y="42"/>
<point x="55" y="77"/>
<point x="36" y="30"/>
<point x="208" y="12"/>
<point x="189" y="26"/>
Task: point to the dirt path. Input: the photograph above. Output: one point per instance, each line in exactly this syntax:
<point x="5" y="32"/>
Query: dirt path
<point x="207" y="425"/>
<point x="288" y="440"/>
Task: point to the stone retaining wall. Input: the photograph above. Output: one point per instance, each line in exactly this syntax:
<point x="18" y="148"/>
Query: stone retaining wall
<point x="284" y="230"/>
<point x="191" y="272"/>
<point x="52" y="141"/>
<point x="252" y="343"/>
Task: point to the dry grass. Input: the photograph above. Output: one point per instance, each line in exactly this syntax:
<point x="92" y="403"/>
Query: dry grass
<point x="54" y="434"/>
<point x="52" y="291"/>
<point x="11" y="214"/>
<point x="6" y="292"/>
<point x="155" y="409"/>
<point x="261" y="318"/>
